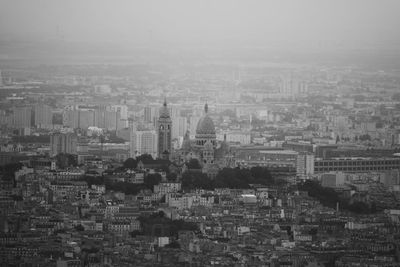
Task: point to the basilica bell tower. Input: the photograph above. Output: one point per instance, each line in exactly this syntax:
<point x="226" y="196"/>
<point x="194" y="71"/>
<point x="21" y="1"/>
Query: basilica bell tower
<point x="164" y="130"/>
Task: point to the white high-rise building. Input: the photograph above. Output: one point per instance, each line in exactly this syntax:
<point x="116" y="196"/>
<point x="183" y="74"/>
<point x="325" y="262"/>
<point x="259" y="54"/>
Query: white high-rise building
<point x="122" y="109"/>
<point x="194" y="120"/>
<point x="180" y="127"/>
<point x="63" y="143"/>
<point x="291" y="86"/>
<point x="43" y="116"/>
<point x="143" y="142"/>
<point x="22" y="117"/>
<point x="305" y="165"/>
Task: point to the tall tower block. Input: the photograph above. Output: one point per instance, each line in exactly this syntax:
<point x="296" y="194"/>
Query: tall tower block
<point x="164" y="131"/>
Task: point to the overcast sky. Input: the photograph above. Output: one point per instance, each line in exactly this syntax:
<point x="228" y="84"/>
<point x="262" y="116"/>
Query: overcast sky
<point x="254" y="22"/>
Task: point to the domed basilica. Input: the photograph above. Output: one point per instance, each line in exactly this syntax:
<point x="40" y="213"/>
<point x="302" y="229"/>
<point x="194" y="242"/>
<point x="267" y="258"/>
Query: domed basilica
<point x="211" y="155"/>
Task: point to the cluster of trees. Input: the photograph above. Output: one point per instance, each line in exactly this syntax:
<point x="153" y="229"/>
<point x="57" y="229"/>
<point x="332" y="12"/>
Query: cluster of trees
<point x="7" y="171"/>
<point x="11" y="168"/>
<point x="196" y="179"/>
<point x="128" y="188"/>
<point x="64" y="160"/>
<point x="157" y="224"/>
<point x="193" y="164"/>
<point x="151" y="180"/>
<point x="228" y="178"/>
<point x="96" y="180"/>
<point x="131" y="163"/>
<point x="329" y="198"/>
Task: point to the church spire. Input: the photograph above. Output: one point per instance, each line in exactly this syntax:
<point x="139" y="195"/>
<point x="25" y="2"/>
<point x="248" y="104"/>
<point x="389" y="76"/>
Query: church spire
<point x="206" y="108"/>
<point x="164" y="111"/>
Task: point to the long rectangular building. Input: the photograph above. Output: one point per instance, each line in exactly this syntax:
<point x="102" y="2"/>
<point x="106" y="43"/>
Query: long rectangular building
<point x="273" y="158"/>
<point x="356" y="164"/>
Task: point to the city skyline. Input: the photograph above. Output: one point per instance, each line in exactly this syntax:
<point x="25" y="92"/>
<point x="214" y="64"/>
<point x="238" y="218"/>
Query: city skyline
<point x="199" y="133"/>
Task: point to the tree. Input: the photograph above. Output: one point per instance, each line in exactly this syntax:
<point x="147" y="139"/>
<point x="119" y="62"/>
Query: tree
<point x="228" y="178"/>
<point x="165" y="168"/>
<point x="365" y="137"/>
<point x="90" y="180"/>
<point x="233" y="178"/>
<point x="193" y="164"/>
<point x="65" y="160"/>
<point x="169" y="227"/>
<point x="172" y="177"/>
<point x="329" y="197"/>
<point x="135" y="233"/>
<point x="79" y="228"/>
<point x="144" y="157"/>
<point x="151" y="180"/>
<point x="173" y="244"/>
<point x="10" y="168"/>
<point x="193" y="180"/>
<point x="130" y="163"/>
<point x="262" y="175"/>
<point x="125" y="187"/>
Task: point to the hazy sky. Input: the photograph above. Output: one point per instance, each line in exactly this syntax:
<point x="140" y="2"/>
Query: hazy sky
<point x="250" y="22"/>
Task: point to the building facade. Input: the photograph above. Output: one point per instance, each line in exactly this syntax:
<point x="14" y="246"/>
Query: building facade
<point x="63" y="143"/>
<point x="43" y="116"/>
<point x="143" y="142"/>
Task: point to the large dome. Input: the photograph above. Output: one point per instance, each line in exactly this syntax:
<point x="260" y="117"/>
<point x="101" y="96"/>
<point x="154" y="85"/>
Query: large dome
<point x="205" y="124"/>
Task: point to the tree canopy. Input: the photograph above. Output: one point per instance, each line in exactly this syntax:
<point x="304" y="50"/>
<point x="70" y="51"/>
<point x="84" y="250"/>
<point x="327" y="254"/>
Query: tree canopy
<point x="125" y="187"/>
<point x="152" y="179"/>
<point x="193" y="164"/>
<point x="144" y="157"/>
<point x="365" y="137"/>
<point x="228" y="178"/>
<point x="192" y="180"/>
<point x="329" y="197"/>
<point x="157" y="224"/>
<point x="130" y="163"/>
<point x="65" y="160"/>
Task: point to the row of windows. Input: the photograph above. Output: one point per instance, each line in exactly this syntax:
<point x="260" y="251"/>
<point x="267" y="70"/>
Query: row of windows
<point x="350" y="168"/>
<point x="162" y="127"/>
<point x="203" y="142"/>
<point x="358" y="163"/>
